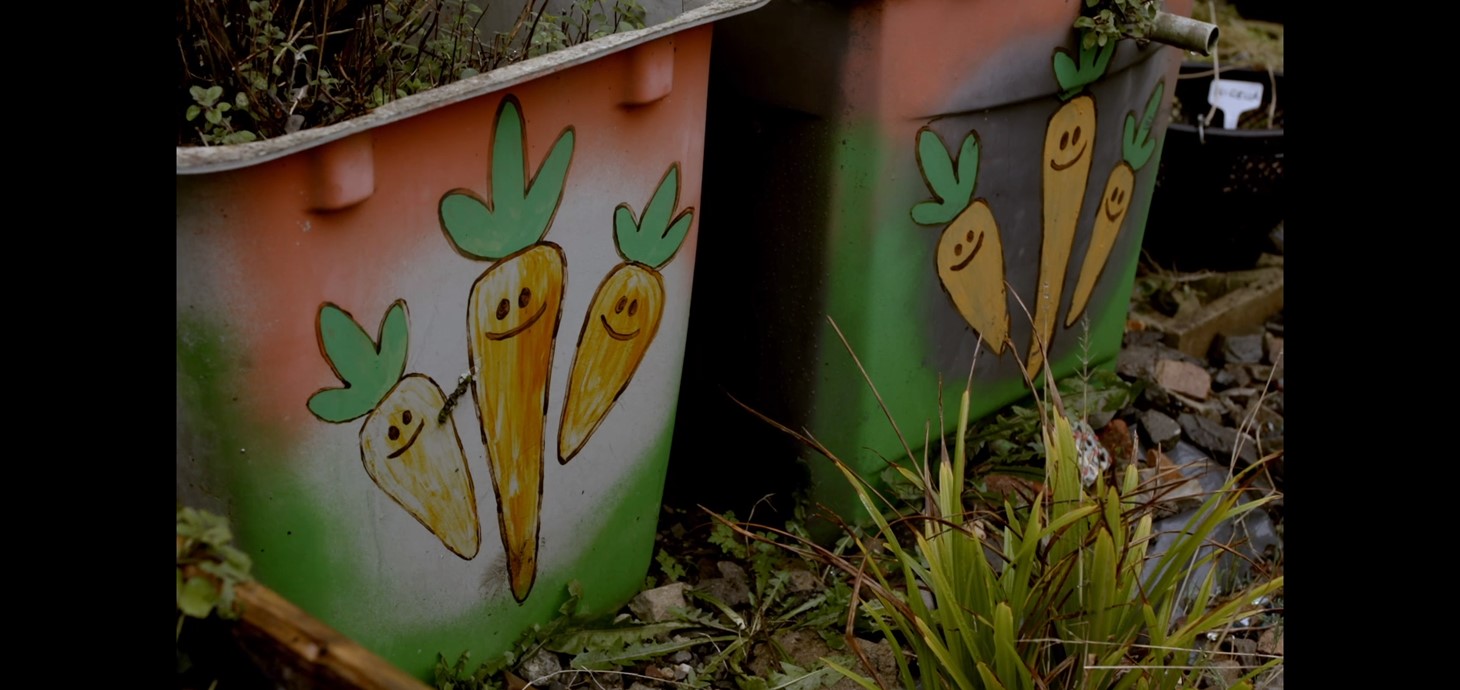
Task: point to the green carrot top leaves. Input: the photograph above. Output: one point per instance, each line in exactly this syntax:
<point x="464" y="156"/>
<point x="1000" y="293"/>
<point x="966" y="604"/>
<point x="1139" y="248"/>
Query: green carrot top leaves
<point x="1093" y="59"/>
<point x="515" y="213"/>
<point x="653" y="239"/>
<point x="1139" y="145"/>
<point x="952" y="189"/>
<point x="368" y="368"/>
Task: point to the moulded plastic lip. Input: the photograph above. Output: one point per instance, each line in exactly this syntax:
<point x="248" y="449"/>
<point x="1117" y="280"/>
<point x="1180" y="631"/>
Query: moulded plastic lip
<point x="196" y="160"/>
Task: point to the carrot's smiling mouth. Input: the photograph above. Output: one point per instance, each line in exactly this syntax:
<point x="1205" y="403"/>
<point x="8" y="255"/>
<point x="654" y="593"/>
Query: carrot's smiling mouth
<point x="1076" y="159"/>
<point x="409" y="443"/>
<point x="972" y="253"/>
<point x="615" y="334"/>
<point x="514" y="331"/>
<point x="1113" y="216"/>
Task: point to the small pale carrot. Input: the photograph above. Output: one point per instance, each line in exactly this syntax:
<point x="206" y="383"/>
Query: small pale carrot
<point x="415" y="459"/>
<point x="624" y="315"/>
<point x="512" y="323"/>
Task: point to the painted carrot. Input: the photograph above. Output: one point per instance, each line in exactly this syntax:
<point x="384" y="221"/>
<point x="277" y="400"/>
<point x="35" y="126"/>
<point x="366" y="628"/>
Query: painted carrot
<point x="623" y="317"/>
<point x="413" y="458"/>
<point x="1115" y="202"/>
<point x="1069" y="143"/>
<point x="512" y="323"/>
<point x="970" y="256"/>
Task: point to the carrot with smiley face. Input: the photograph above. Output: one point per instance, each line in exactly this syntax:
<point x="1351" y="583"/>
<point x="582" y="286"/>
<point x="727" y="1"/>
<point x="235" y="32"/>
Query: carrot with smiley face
<point x="415" y="459"/>
<point x="1115" y="202"/>
<point x="1069" y="143"/>
<point x="623" y="316"/>
<point x="970" y="253"/>
<point x="512" y="323"/>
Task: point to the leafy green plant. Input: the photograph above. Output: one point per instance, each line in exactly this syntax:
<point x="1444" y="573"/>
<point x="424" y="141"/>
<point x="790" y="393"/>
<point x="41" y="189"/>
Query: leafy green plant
<point x="1056" y="593"/>
<point x="209" y="571"/>
<point x="1112" y="20"/>
<point x="255" y="69"/>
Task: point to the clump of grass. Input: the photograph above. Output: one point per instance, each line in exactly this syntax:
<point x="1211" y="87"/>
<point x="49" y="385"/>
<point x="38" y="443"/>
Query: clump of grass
<point x="1055" y="592"/>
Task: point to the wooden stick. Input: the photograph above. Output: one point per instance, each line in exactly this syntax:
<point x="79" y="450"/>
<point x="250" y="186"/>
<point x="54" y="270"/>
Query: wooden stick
<point x="299" y="651"/>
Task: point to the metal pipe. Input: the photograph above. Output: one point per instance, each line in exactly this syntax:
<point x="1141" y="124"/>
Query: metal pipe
<point x="1184" y="32"/>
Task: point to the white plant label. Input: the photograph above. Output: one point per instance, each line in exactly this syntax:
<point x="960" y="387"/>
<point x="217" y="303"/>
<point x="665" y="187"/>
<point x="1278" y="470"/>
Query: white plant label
<point x="1234" y="98"/>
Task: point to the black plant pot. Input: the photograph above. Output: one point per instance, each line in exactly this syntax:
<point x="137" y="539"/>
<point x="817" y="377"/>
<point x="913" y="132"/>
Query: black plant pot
<point x="1219" y="192"/>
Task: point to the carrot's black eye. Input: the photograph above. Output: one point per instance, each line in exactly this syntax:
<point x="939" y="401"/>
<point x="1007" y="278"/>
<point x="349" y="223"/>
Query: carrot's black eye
<point x="958" y="249"/>
<point x="1075" y="139"/>
<point x="633" y="307"/>
<point x="393" y="434"/>
<point x="619" y="307"/>
<point x="1064" y="140"/>
<point x="405" y="417"/>
<point x="523" y="297"/>
<point x="503" y="308"/>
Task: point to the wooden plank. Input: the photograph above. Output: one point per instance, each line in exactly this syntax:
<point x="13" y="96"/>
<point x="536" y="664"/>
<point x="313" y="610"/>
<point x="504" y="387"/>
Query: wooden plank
<point x="1258" y="295"/>
<point x="300" y="652"/>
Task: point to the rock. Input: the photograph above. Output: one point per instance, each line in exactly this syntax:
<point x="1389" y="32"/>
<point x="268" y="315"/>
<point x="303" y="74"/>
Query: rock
<point x="1138" y="338"/>
<point x="1214" y="437"/>
<point x="537" y="668"/>
<point x="655" y="605"/>
<point x="1250" y="541"/>
<point x="1183" y="377"/>
<point x="805" y="581"/>
<point x="1272" y="346"/>
<point x="1162" y="430"/>
<point x="732" y="589"/>
<point x="682" y="671"/>
<point x="883" y="659"/>
<point x="1240" y="349"/>
<point x="1238" y="373"/>
<point x="681" y="656"/>
<point x="1270" y="642"/>
<point x="1140" y="362"/>
<point x="1229" y="670"/>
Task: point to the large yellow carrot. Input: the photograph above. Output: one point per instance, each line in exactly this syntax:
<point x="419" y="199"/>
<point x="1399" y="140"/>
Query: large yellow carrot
<point x="1069" y="143"/>
<point x="970" y="254"/>
<point x="414" y="457"/>
<point x="624" y="315"/>
<point x="1115" y="202"/>
<point x="512" y="323"/>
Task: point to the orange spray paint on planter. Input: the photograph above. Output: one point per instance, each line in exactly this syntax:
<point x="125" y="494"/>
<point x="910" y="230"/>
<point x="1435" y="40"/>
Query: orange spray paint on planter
<point x="512" y="322"/>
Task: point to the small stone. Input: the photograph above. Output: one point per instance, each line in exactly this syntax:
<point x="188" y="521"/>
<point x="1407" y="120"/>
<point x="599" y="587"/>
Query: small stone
<point x="659" y="673"/>
<point x="655" y="605"/>
<point x="805" y="581"/>
<point x="733" y="589"/>
<point x="1239" y="374"/>
<point x="1229" y="670"/>
<point x="1214" y="437"/>
<point x="539" y="666"/>
<point x="1272" y="346"/>
<point x="1184" y="378"/>
<point x="682" y="671"/>
<point x="1161" y="429"/>
<point x="1240" y="349"/>
<point x="681" y="656"/>
<point x="1224" y="378"/>
<point x="1270" y="642"/>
